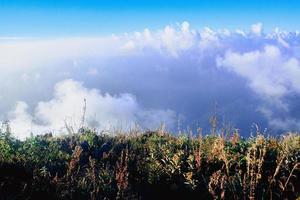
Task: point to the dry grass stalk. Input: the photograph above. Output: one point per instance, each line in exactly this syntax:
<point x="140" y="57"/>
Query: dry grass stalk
<point x="122" y="173"/>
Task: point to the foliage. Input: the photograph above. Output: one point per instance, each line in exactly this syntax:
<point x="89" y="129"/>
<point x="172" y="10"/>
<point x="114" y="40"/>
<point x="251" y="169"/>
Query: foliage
<point x="149" y="165"/>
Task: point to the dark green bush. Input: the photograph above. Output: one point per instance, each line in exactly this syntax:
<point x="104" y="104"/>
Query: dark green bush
<point x="149" y="165"/>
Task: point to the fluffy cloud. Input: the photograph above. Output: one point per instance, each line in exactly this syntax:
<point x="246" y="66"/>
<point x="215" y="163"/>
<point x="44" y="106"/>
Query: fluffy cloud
<point x="268" y="71"/>
<point x="103" y="112"/>
<point x="274" y="76"/>
<point x="257" y="29"/>
<point x="253" y="75"/>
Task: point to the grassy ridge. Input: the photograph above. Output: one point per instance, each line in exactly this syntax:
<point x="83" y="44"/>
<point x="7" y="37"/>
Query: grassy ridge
<point x="149" y="165"/>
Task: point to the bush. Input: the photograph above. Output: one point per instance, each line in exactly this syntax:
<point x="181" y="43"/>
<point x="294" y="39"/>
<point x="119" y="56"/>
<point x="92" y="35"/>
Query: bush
<point x="149" y="165"/>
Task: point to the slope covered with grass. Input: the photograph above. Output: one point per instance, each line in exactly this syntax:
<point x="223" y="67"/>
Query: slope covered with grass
<point x="149" y="165"/>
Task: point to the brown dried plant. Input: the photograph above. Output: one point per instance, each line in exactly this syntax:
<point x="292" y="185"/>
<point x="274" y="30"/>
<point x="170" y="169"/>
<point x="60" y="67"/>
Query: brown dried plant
<point x="255" y="159"/>
<point x="122" y="173"/>
<point x="74" y="162"/>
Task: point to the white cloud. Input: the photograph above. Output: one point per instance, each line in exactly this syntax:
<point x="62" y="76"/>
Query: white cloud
<point x="272" y="75"/>
<point x="21" y="121"/>
<point x="278" y="122"/>
<point x="24" y="54"/>
<point x="268" y="71"/>
<point x="103" y="112"/>
<point x="257" y="29"/>
<point x="269" y="62"/>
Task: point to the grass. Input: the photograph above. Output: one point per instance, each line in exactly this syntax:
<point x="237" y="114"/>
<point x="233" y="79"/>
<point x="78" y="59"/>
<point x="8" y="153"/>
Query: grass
<point x="149" y="165"/>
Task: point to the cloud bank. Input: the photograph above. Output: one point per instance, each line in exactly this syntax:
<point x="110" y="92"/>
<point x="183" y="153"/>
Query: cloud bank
<point x="152" y="76"/>
<point x="101" y="111"/>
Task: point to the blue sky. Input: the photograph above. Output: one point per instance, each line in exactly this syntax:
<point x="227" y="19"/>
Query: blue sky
<point x="53" y="18"/>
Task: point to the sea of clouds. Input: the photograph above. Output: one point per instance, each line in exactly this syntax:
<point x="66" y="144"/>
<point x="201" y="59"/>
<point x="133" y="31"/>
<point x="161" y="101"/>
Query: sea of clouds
<point x="176" y="75"/>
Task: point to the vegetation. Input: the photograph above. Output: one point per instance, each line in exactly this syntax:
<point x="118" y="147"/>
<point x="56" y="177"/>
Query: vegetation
<point x="149" y="165"/>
